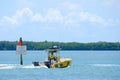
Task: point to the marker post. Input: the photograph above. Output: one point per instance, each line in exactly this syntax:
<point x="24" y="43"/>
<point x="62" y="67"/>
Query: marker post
<point x="21" y="59"/>
<point x="21" y="50"/>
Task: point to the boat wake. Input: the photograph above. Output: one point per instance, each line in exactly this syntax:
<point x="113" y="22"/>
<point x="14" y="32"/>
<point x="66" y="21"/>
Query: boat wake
<point x="17" y="66"/>
<point x="106" y="65"/>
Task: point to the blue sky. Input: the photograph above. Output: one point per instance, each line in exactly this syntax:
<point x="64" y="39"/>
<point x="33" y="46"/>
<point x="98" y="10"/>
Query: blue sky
<point x="60" y="20"/>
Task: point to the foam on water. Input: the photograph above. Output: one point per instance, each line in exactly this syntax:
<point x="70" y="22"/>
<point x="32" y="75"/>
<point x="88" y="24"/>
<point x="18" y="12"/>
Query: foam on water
<point x="6" y="66"/>
<point x="15" y="66"/>
<point x="106" y="65"/>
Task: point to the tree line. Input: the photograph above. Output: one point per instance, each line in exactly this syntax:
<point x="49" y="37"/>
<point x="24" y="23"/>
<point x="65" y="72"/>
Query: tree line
<point x="7" y="45"/>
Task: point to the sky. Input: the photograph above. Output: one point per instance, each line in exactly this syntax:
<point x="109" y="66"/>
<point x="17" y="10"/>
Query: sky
<point x="60" y="20"/>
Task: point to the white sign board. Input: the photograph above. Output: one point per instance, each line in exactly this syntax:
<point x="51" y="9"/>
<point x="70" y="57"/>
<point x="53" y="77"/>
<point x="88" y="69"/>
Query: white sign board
<point x="21" y="49"/>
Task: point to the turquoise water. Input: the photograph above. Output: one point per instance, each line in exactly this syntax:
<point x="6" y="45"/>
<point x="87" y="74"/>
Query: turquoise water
<point x="86" y="65"/>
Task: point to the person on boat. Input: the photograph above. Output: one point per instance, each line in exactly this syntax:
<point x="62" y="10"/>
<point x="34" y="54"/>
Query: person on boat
<point x="51" y="57"/>
<point x="20" y="43"/>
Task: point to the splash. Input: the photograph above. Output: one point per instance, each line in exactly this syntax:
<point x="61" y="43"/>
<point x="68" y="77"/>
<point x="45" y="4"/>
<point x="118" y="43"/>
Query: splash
<point x="17" y="66"/>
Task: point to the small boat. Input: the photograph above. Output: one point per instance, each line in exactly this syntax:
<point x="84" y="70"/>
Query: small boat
<point x="57" y="62"/>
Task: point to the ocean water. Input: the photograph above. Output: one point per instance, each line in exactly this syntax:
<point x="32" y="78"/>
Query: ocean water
<point x="86" y="65"/>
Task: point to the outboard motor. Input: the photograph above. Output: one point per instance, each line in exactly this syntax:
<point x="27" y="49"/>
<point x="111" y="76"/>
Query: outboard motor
<point x="36" y="63"/>
<point x="47" y="63"/>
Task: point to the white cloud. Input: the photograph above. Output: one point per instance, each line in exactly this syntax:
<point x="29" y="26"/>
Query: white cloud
<point x="54" y="15"/>
<point x="69" y="22"/>
<point x="19" y="16"/>
<point x="38" y="18"/>
<point x="71" y="18"/>
<point x="24" y="11"/>
<point x="112" y="2"/>
<point x="92" y="18"/>
<point x="95" y="19"/>
<point x="26" y="15"/>
<point x="10" y="20"/>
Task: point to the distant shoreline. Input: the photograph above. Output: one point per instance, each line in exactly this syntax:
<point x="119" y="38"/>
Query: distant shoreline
<point x="71" y="46"/>
<point x="64" y="50"/>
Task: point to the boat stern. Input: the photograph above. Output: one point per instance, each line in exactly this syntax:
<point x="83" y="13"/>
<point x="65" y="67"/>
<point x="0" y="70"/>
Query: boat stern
<point x="64" y="62"/>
